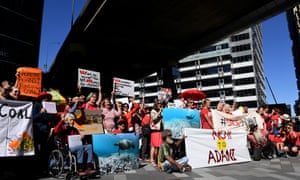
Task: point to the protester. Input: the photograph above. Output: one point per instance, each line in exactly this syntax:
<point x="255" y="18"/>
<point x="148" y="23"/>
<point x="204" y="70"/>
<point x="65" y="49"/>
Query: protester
<point x="145" y="134"/>
<point x="156" y="129"/>
<point x="128" y="113"/>
<point x="13" y="94"/>
<point x="260" y="145"/>
<point x="122" y="127"/>
<point x="166" y="154"/>
<point x="206" y="115"/>
<point x="42" y="124"/>
<point x="66" y="128"/>
<point x="110" y="114"/>
<point x="292" y="142"/>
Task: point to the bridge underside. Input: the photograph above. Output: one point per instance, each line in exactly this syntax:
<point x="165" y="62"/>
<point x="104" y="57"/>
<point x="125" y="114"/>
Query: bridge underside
<point x="133" y="38"/>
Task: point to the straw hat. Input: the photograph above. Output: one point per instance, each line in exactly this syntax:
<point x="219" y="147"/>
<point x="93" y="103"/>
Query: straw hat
<point x="286" y="117"/>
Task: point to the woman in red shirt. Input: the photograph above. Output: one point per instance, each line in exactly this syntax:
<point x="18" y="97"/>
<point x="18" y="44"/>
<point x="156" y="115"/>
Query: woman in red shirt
<point x="206" y="115"/>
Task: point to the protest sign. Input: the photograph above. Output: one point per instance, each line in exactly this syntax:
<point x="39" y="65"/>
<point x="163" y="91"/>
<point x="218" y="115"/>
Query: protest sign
<point x="88" y="78"/>
<point x="29" y="81"/>
<point x="123" y="87"/>
<point x="89" y="121"/>
<point x="207" y="147"/>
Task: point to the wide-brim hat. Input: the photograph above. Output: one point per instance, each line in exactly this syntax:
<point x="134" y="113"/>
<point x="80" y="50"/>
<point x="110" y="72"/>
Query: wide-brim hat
<point x="286" y="117"/>
<point x="44" y="95"/>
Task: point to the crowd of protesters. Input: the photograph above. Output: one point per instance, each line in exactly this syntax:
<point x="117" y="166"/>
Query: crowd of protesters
<point x="279" y="135"/>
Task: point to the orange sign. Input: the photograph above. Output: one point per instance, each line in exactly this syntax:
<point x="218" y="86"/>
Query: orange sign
<point x="29" y="81"/>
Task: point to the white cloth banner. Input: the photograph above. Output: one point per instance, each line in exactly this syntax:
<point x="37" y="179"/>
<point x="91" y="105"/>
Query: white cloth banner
<point x="206" y="147"/>
<point x="222" y="120"/>
<point x="16" y="133"/>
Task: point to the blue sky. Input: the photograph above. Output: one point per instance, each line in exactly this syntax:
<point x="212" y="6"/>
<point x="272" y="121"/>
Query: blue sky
<point x="278" y="59"/>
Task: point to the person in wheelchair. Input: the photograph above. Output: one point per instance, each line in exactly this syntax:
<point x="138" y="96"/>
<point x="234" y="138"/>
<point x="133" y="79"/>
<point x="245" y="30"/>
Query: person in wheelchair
<point x="66" y="128"/>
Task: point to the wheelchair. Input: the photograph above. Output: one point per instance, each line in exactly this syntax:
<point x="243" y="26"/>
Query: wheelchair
<point x="62" y="163"/>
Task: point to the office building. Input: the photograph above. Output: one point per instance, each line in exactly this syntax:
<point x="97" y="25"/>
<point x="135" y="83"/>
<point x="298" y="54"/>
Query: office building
<point x="229" y="70"/>
<point x="293" y="18"/>
<point x="20" y="33"/>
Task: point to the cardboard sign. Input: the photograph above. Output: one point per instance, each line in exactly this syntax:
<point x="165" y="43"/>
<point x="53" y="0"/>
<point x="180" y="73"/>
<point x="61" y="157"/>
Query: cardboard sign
<point x="29" y="81"/>
<point x="89" y="121"/>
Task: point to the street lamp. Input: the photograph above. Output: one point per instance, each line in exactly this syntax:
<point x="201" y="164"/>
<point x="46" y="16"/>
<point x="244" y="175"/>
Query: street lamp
<point x="72" y="18"/>
<point x="46" y="63"/>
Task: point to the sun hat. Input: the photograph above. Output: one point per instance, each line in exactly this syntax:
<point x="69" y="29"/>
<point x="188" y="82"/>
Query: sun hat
<point x="286" y="117"/>
<point x="44" y="95"/>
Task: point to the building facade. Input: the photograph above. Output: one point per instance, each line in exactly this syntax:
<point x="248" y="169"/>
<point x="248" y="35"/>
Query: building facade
<point x="20" y="32"/>
<point x="230" y="70"/>
<point x="293" y="19"/>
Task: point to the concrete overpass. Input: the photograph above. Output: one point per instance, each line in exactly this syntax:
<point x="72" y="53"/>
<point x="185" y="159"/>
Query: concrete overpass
<point x="133" y="38"/>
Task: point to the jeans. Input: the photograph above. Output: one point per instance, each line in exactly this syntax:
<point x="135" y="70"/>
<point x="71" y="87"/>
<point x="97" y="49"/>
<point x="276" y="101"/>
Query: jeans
<point x="167" y="165"/>
<point x="80" y="150"/>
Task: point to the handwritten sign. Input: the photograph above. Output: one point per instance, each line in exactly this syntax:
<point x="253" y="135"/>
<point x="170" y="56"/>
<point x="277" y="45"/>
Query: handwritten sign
<point x="123" y="87"/>
<point x="29" y="81"/>
<point x="207" y="148"/>
<point x="87" y="78"/>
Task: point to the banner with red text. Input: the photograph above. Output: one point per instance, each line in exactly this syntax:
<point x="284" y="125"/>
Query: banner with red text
<point x="223" y="120"/>
<point x="88" y="78"/>
<point x="123" y="87"/>
<point x="206" y="147"/>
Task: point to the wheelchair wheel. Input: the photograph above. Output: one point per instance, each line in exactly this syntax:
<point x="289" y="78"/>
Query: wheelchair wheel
<point x="56" y="163"/>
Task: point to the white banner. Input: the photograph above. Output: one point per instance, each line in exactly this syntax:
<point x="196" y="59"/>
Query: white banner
<point x="88" y="78"/>
<point x="123" y="87"/>
<point x="223" y="120"/>
<point x="206" y="147"/>
<point x="16" y="133"/>
<point x="228" y="121"/>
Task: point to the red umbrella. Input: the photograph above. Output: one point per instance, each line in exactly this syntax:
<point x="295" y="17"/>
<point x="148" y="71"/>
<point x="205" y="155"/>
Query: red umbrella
<point x="193" y="94"/>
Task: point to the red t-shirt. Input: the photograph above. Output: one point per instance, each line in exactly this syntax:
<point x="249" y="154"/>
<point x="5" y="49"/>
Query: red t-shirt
<point x="204" y="123"/>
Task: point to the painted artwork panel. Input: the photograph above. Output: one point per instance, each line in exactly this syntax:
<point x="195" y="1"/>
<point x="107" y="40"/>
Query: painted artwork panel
<point x="116" y="152"/>
<point x="177" y="119"/>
